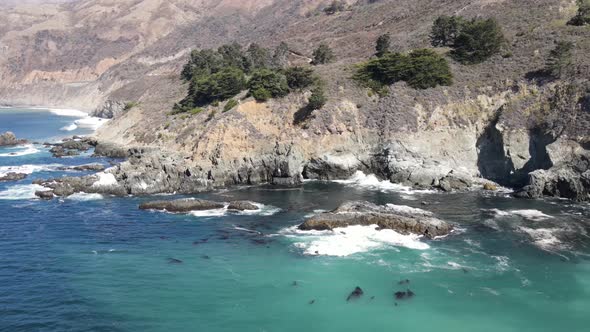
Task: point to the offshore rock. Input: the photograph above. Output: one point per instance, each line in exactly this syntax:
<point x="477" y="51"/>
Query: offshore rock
<point x="242" y="206"/>
<point x="181" y="205"/>
<point x="87" y="167"/>
<point x="9" y="139"/>
<point x="12" y="177"/>
<point x="400" y="219"/>
<point x="45" y="194"/>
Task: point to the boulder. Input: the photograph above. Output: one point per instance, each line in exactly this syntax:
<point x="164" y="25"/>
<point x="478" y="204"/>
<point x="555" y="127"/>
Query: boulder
<point x="490" y="186"/>
<point x="403" y="220"/>
<point x="242" y="206"/>
<point x="110" y="151"/>
<point x="452" y="182"/>
<point x="109" y="109"/>
<point x="45" y="194"/>
<point x="181" y="205"/>
<point x="9" y="139"/>
<point x="12" y="177"/>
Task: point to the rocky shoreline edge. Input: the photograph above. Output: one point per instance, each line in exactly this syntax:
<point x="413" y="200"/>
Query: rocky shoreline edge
<point x="148" y="171"/>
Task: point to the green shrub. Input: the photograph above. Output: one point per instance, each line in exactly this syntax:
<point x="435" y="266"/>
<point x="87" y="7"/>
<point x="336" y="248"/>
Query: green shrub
<point x="382" y="45"/>
<point x="130" y="105"/>
<point x="560" y="62"/>
<point x="421" y="69"/>
<point x="318" y="99"/>
<point x="322" y="55"/>
<point x="583" y="15"/>
<point x="230" y="105"/>
<point x="261" y="94"/>
<point x="219" y="86"/>
<point x="445" y="30"/>
<point x="274" y="83"/>
<point x="195" y="111"/>
<point x="258" y="57"/>
<point x="201" y="63"/>
<point x="280" y="57"/>
<point x="478" y="41"/>
<point x="299" y="77"/>
<point x="334" y="7"/>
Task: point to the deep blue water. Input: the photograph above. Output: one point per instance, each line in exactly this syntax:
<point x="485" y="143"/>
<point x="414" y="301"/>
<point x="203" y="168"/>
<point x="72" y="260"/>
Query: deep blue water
<point x="93" y="263"/>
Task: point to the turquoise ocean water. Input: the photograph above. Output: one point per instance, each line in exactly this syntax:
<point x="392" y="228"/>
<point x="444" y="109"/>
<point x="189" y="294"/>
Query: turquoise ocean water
<point x="93" y="263"/>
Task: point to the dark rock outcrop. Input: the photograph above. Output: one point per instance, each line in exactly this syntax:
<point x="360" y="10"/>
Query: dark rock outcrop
<point x="87" y="167"/>
<point x="12" y="177"/>
<point x="355" y="294"/>
<point x="45" y="194"/>
<point x="181" y="205"/>
<point x="69" y="147"/>
<point x="399" y="219"/>
<point x="110" y="150"/>
<point x="242" y="206"/>
<point x="9" y="139"/>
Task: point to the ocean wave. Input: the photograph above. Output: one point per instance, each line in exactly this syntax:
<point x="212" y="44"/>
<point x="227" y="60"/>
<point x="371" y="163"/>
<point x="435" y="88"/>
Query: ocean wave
<point x="350" y="240"/>
<point x="67" y="112"/>
<point x="544" y="238"/>
<point x="22" y="150"/>
<point x="70" y="127"/>
<point x="28" y="169"/>
<point x="84" y="197"/>
<point x="263" y="210"/>
<point x="20" y="192"/>
<point x="360" y="179"/>
<point x="104" y="180"/>
<point x="530" y="214"/>
<point x="90" y="123"/>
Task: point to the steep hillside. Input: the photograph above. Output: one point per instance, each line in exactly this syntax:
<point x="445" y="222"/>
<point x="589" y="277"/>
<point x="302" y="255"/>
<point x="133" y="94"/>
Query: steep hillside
<point x="502" y="120"/>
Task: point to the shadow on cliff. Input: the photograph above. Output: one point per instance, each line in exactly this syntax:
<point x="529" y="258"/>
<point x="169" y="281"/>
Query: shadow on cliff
<point x="496" y="164"/>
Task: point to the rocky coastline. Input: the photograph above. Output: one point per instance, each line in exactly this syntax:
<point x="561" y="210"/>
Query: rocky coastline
<point x="9" y="139"/>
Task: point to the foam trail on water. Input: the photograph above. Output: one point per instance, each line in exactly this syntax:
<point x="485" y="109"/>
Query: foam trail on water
<point x="22" y="150"/>
<point x="20" y="192"/>
<point x="350" y="240"/>
<point x="530" y="214"/>
<point x="90" y="123"/>
<point x="84" y="197"/>
<point x="263" y="210"/>
<point x="28" y="169"/>
<point x="360" y="179"/>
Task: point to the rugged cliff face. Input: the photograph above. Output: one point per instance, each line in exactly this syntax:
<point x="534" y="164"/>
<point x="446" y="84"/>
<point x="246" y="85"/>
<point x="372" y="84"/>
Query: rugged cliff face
<point x="498" y="122"/>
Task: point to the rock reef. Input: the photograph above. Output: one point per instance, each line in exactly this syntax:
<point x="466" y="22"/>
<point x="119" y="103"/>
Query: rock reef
<point x="9" y="139"/>
<point x="403" y="220"/>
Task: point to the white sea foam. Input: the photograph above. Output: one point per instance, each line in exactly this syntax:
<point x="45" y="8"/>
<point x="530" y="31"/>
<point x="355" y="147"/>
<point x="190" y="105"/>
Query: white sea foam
<point x="105" y="180"/>
<point x="360" y="179"/>
<point x="90" y="122"/>
<point x="21" y="150"/>
<point x="20" y="192"/>
<point x="68" y="112"/>
<point x="531" y="214"/>
<point x="315" y="212"/>
<point x="84" y="197"/>
<point x="263" y="210"/>
<point x="350" y="240"/>
<point x="28" y="169"/>
<point x="544" y="238"/>
<point x="404" y="209"/>
<point x="70" y="127"/>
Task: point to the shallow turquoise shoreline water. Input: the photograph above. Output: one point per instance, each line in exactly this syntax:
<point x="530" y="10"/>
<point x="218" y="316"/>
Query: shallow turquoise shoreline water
<point x="99" y="264"/>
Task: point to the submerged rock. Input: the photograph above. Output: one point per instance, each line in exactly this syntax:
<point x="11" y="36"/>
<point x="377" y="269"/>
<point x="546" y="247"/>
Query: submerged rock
<point x="242" y="206"/>
<point x="400" y="219"/>
<point x="404" y="295"/>
<point x="181" y="205"/>
<point x="356" y="293"/>
<point x="9" y="139"/>
<point x="12" y="177"/>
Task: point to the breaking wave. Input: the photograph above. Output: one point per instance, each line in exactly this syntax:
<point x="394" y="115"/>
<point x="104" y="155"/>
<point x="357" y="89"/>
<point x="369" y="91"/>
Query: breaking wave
<point x="360" y="179"/>
<point x="20" y="192"/>
<point x="22" y="150"/>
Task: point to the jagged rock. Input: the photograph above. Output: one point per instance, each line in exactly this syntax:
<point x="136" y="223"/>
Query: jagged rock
<point x="74" y="144"/>
<point x="110" y="150"/>
<point x="87" y="167"/>
<point x="401" y="220"/>
<point x="558" y="183"/>
<point x="332" y="167"/>
<point x="45" y="194"/>
<point x="66" y="186"/>
<point x="242" y="206"/>
<point x="452" y="182"/>
<point x="490" y="186"/>
<point x="9" y="139"/>
<point x="12" y="177"/>
<point x="288" y="182"/>
<point x="181" y="205"/>
<point x="355" y="294"/>
<point x="109" y="109"/>
<point x="58" y="151"/>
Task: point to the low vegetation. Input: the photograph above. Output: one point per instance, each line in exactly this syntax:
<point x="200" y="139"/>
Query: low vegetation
<point x="230" y="105"/>
<point x="383" y="45"/>
<point x="130" y="105"/>
<point x="583" y="15"/>
<point x="323" y="55"/>
<point x="421" y="69"/>
<point x="266" y="84"/>
<point x="334" y="7"/>
<point x="560" y="62"/>
<point x="473" y="41"/>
